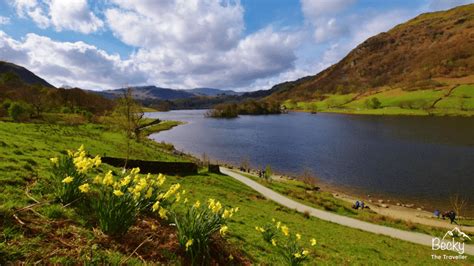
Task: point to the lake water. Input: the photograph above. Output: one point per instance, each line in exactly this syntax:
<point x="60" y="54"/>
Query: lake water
<point x="420" y="159"/>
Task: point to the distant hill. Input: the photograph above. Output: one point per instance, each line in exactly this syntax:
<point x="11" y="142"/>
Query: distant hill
<point x="418" y="54"/>
<point x="212" y="92"/>
<point x="148" y="93"/>
<point x="24" y="74"/>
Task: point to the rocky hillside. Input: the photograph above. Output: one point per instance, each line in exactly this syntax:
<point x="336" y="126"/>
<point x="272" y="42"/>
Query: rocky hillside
<point x="417" y="54"/>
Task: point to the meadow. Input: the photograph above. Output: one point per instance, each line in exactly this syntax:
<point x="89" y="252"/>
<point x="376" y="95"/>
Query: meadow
<point x="458" y="100"/>
<point x="35" y="228"/>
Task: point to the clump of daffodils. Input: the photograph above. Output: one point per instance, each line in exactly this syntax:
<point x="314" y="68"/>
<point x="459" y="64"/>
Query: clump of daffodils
<point x="70" y="174"/>
<point x="117" y="200"/>
<point x="121" y="198"/>
<point x="199" y="222"/>
<point x="290" y="245"/>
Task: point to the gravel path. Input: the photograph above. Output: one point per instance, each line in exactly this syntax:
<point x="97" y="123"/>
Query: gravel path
<point x="417" y="238"/>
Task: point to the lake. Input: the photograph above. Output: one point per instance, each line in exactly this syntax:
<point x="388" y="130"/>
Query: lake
<point x="424" y="160"/>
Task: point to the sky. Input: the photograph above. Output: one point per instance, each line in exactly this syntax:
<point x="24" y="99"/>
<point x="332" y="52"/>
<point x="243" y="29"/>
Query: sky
<point x="242" y="45"/>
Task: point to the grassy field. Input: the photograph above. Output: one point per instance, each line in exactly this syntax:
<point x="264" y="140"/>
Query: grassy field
<point x="52" y="233"/>
<point x="397" y="102"/>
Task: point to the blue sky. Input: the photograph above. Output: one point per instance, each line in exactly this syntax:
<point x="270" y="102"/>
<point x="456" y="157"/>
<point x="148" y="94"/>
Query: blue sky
<point x="242" y="45"/>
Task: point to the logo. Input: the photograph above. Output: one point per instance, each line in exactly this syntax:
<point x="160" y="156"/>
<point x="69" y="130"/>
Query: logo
<point x="453" y="240"/>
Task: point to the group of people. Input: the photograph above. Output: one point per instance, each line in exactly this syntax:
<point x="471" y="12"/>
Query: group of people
<point x="449" y="214"/>
<point x="359" y="205"/>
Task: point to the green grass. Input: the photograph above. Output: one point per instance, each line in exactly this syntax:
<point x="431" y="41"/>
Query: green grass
<point x="462" y="97"/>
<point x="25" y="169"/>
<point x="301" y="192"/>
<point x="164" y="125"/>
<point x="397" y="102"/>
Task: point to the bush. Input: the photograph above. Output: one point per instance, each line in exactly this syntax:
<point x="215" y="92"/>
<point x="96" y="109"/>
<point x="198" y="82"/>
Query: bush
<point x="373" y="103"/>
<point x="198" y="224"/>
<point x="289" y="246"/>
<point x="19" y="111"/>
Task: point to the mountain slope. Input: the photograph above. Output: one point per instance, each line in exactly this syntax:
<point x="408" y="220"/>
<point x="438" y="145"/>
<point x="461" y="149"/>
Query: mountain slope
<point x="412" y="55"/>
<point x="24" y="74"/>
<point x="148" y="93"/>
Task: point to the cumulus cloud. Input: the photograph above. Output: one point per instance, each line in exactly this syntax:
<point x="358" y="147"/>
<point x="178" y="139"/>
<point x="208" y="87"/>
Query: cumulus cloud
<point x="189" y="43"/>
<point x="72" y="15"/>
<point x="70" y="63"/>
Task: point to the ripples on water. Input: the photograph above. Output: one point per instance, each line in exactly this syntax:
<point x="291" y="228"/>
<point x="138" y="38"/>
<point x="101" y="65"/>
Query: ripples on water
<point x="418" y="158"/>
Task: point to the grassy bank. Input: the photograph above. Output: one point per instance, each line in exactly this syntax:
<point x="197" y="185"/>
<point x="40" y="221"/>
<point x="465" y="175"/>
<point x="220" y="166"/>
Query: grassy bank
<point x="51" y="233"/>
<point x="325" y="200"/>
<point x="449" y="101"/>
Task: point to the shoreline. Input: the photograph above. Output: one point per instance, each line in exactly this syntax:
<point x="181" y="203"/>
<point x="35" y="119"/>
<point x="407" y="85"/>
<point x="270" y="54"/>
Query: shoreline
<point x="383" y="204"/>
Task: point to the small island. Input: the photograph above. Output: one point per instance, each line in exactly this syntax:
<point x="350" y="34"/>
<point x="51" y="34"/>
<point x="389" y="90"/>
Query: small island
<point x="249" y="107"/>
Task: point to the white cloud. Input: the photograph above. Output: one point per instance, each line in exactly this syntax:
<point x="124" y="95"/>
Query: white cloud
<point x="4" y="20"/>
<point x="72" y="15"/>
<point x="312" y="9"/>
<point x="189" y="43"/>
<point x="70" y="63"/>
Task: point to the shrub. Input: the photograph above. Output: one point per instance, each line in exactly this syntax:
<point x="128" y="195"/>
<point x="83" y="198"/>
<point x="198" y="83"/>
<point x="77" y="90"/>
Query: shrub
<point x="289" y="246"/>
<point x="198" y="224"/>
<point x="373" y="103"/>
<point x="19" y="111"/>
<point x="69" y="173"/>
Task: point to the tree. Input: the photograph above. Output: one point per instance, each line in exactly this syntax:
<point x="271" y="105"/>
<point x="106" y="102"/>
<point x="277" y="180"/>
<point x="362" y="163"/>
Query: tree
<point x="373" y="103"/>
<point x="19" y="111"/>
<point x="458" y="203"/>
<point x="128" y="116"/>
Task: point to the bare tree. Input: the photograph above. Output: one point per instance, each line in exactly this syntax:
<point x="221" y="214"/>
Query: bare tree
<point x="128" y="116"/>
<point x="458" y="203"/>
<point x="307" y="177"/>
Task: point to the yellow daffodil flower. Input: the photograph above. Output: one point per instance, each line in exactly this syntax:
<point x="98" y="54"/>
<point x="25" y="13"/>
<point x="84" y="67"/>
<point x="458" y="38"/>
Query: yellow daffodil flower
<point x="223" y="230"/>
<point x="313" y="242"/>
<point x="118" y="193"/>
<point x="188" y="244"/>
<point x="285" y="230"/>
<point x="274" y="242"/>
<point x="84" y="188"/>
<point x="68" y="179"/>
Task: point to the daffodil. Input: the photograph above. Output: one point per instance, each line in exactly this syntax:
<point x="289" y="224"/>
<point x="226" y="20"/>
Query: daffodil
<point x="149" y="193"/>
<point x="226" y="214"/>
<point x="278" y="224"/>
<point x="298" y="236"/>
<point x="274" y="242"/>
<point x="188" y="244"/>
<point x="197" y="204"/>
<point x="97" y="179"/>
<point x="185" y="200"/>
<point x="223" y="230"/>
<point x="156" y="206"/>
<point x="68" y="179"/>
<point x="54" y="160"/>
<point x="163" y="213"/>
<point x="118" y="193"/>
<point x="135" y="171"/>
<point x="84" y="188"/>
<point x="108" y="179"/>
<point x="297" y="255"/>
<point x="126" y="180"/>
<point x="285" y="230"/>
<point x="313" y="242"/>
<point x="305" y="253"/>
